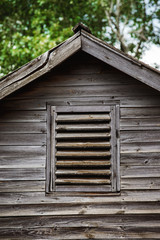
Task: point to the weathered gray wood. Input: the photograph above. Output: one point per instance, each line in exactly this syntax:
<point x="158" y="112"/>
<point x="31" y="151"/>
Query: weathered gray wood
<point x="23" y="151"/>
<point x="131" y="214"/>
<point x="141" y="159"/>
<point x="22" y="162"/>
<point x="140" y="171"/>
<point x="27" y="127"/>
<point x="83" y="136"/>
<point x="22" y="186"/>
<point x="138" y="70"/>
<point x="21" y="174"/>
<point x="23" y="116"/>
<point x="83" y="154"/>
<point x="82" y="163"/>
<point x="83" y="233"/>
<point x="11" y="103"/>
<point x="83" y="172"/>
<point x="144" y="112"/>
<point x="50" y="59"/>
<point x="140" y="183"/>
<point x="84" y="181"/>
<point x="83" y="145"/>
<point x="139" y="147"/>
<point x="80" y="221"/>
<point x="80" y="209"/>
<point x="140" y="136"/>
<point x="25" y="139"/>
<point x="83" y="91"/>
<point x="83" y="127"/>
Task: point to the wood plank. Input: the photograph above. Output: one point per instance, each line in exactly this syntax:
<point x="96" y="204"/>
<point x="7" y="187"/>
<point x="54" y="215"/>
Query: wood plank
<point x="83" y="117"/>
<point x="141" y="159"/>
<point x="23" y="116"/>
<point x="82" y="127"/>
<point x="83" y="172"/>
<point x="80" y="209"/>
<point x="84" y="181"/>
<point x="81" y="79"/>
<point x="11" y="103"/>
<point x="81" y="136"/>
<point x="84" y="163"/>
<point x="25" y="139"/>
<point x="82" y="233"/>
<point x="23" y="151"/>
<point x="22" y="186"/>
<point x="84" y="145"/>
<point x="41" y="198"/>
<point x="144" y="147"/>
<point x="140" y="183"/>
<point x="140" y="123"/>
<point x="140" y="171"/>
<point x="83" y="154"/>
<point x="140" y="136"/>
<point x="22" y="174"/>
<point x="80" y="221"/>
<point x="145" y="112"/>
<point x="90" y="91"/>
<point x="27" y="127"/>
<point x="20" y="162"/>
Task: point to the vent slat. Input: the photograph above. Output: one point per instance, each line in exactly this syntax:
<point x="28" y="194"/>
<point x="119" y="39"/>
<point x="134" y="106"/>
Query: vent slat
<point x="85" y="145"/>
<point x="82" y="117"/>
<point x="83" y="172"/>
<point x="83" y="127"/>
<point x="83" y="181"/>
<point x="83" y="154"/>
<point x="82" y="148"/>
<point x="89" y="163"/>
<point x="82" y="135"/>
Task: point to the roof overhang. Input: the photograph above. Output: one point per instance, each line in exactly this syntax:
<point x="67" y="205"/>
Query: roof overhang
<point x="86" y="42"/>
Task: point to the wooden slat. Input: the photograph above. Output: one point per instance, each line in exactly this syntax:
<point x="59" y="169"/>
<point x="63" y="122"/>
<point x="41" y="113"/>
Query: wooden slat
<point x="73" y="164"/>
<point x="22" y="174"/>
<point x="83" y="181"/>
<point x="83" y="172"/>
<point x="82" y="135"/>
<point x="34" y="127"/>
<point x="83" y="145"/>
<point x="82" y="117"/>
<point x="22" y="186"/>
<point x="82" y="154"/>
<point x="140" y="136"/>
<point x="82" y="127"/>
<point x="25" y="139"/>
<point x="143" y="112"/>
<point x="23" y="151"/>
<point x="23" y="116"/>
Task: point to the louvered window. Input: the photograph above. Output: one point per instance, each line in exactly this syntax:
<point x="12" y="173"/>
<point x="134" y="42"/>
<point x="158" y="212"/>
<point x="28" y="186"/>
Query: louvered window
<point x="83" y="149"/>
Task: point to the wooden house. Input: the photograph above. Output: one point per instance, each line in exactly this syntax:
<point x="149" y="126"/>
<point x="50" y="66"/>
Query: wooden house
<point x="80" y="145"/>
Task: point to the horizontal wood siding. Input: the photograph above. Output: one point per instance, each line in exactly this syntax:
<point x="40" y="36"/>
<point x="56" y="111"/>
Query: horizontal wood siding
<point x="26" y="212"/>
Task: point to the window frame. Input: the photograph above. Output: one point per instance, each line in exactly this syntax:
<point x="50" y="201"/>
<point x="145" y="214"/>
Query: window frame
<point x="115" y="146"/>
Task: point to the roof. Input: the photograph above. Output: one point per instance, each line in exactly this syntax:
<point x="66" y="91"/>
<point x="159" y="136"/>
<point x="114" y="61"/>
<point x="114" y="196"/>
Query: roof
<point x="85" y="41"/>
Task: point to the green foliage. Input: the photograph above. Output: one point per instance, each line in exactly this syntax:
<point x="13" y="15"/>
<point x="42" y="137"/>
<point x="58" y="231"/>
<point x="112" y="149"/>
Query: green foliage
<point x="31" y="27"/>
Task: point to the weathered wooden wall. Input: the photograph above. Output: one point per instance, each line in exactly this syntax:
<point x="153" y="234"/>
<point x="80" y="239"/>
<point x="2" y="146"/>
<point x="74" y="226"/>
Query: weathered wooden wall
<point x="26" y="212"/>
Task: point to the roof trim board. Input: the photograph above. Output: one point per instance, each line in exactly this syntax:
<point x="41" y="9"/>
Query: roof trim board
<point x="39" y="66"/>
<point x="86" y="42"/>
<point x="120" y="61"/>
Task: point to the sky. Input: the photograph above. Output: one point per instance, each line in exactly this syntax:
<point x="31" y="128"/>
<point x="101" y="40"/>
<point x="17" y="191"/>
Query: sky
<point x="152" y="56"/>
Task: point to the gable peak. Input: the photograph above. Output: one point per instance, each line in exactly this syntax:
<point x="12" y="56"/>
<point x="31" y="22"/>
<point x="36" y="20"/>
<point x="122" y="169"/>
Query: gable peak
<point x="80" y="26"/>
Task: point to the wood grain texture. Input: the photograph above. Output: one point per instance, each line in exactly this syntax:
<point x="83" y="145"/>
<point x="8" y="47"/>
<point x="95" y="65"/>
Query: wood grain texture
<point x="27" y="212"/>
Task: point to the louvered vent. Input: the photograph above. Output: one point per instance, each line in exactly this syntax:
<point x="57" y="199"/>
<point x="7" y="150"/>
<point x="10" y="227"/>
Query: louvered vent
<point x="82" y="150"/>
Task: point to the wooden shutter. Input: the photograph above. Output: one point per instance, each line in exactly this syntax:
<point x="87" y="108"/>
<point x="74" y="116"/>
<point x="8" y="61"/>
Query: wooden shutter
<point x="83" y="145"/>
